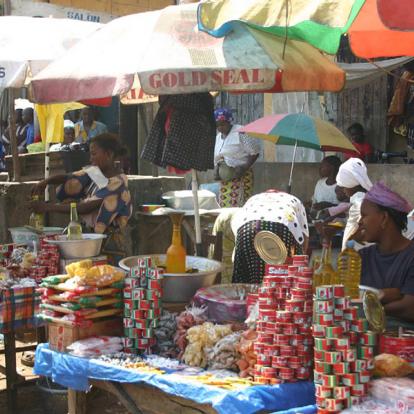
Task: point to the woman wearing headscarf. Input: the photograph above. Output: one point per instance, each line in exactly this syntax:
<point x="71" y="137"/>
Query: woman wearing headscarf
<point x="274" y="211"/>
<point x="353" y="179"/>
<point x="389" y="263"/>
<point x="234" y="155"/>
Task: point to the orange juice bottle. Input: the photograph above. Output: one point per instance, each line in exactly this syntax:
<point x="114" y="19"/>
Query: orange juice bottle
<point x="176" y="253"/>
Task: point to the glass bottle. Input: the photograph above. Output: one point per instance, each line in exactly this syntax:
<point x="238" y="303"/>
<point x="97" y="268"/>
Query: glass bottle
<point x="36" y="219"/>
<point x="325" y="274"/>
<point x="349" y="270"/>
<point x="176" y="253"/>
<point x="74" y="227"/>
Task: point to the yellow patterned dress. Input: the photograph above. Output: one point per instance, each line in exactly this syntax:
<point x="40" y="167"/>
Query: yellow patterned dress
<point x="112" y="216"/>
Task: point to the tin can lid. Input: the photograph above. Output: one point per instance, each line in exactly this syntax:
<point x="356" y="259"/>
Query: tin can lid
<point x="374" y="311"/>
<point x="270" y="248"/>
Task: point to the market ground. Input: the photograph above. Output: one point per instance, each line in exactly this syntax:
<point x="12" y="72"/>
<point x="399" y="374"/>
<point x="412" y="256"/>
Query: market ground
<point x="31" y="400"/>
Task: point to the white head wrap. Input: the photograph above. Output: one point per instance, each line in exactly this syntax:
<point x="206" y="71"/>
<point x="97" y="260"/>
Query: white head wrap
<point x="67" y="123"/>
<point x="353" y="173"/>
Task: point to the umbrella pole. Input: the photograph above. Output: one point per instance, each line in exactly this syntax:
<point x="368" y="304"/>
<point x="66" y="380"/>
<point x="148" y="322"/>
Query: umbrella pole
<point x="47" y="169"/>
<point x="291" y="168"/>
<point x="13" y="138"/>
<point x="194" y="188"/>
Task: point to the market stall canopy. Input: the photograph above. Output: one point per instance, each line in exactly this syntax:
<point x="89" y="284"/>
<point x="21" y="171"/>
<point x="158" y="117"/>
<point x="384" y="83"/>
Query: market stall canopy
<point x="29" y="44"/>
<point x="170" y="56"/>
<point x="397" y="14"/>
<point x="319" y="23"/>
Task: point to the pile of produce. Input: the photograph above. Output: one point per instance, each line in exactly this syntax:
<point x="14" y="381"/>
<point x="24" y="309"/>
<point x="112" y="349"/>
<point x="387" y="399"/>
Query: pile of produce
<point x="248" y="357"/>
<point x="224" y="354"/>
<point x="192" y="316"/>
<point x="200" y="339"/>
<point x="164" y="333"/>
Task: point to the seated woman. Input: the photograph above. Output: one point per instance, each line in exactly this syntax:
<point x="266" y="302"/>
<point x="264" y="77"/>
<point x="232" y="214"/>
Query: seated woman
<point x="389" y="263"/>
<point x="353" y="179"/>
<point x="324" y="195"/>
<point x="278" y="212"/>
<point x="101" y="192"/>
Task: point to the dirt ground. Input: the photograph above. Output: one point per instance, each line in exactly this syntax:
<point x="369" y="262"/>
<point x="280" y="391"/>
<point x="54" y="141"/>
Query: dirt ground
<point x="31" y="400"/>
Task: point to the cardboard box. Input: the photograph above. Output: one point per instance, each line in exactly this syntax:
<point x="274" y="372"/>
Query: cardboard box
<point x="96" y="261"/>
<point x="61" y="336"/>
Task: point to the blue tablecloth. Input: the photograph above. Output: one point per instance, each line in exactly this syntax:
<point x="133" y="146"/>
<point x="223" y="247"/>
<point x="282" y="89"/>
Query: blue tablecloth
<point x="74" y="372"/>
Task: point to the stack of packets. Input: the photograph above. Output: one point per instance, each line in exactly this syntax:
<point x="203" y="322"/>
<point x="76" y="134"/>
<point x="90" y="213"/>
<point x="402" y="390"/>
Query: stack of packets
<point x="85" y="294"/>
<point x="142" y="306"/>
<point x="46" y="262"/>
<point x="344" y="351"/>
<point x="284" y="341"/>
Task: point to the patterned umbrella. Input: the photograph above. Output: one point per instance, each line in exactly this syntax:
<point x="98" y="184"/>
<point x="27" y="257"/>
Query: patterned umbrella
<point x="299" y="130"/>
<point x="169" y="55"/>
<point x="320" y="23"/>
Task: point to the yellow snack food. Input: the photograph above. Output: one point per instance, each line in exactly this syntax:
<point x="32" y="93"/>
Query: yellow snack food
<point x="78" y="268"/>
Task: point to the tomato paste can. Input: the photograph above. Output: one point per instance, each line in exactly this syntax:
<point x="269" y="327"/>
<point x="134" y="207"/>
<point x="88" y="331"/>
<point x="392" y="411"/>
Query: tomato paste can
<point x="341" y="344"/>
<point x="333" y="332"/>
<point x="271" y="270"/>
<point x="341" y="368"/>
<point x="324" y="292"/>
<point x="334" y="404"/>
<point x="365" y="352"/>
<point x="403" y="345"/>
<point x="298" y="294"/>
<point x="323" y="367"/>
<point x="300" y="260"/>
<point x="286" y="373"/>
<point x="351" y="313"/>
<point x="318" y="354"/>
<point x="368" y="338"/>
<point x="324" y="306"/>
<point x="360" y="325"/>
<point x="318" y="330"/>
<point x="283" y="316"/>
<point x="287" y="350"/>
<point x="341" y="303"/>
<point x="265" y="338"/>
<point x="323" y="392"/>
<point x="359" y="390"/>
<point x="325" y="319"/>
<point x="350" y="379"/>
<point x="323" y="344"/>
<point x="349" y="355"/>
<point x="341" y="392"/>
<point x="302" y="373"/>
<point x="332" y="357"/>
<point x="294" y="305"/>
<point x="269" y="372"/>
<point x="364" y="377"/>
<point x="329" y="380"/>
<point x="280" y="361"/>
<point x="281" y="339"/>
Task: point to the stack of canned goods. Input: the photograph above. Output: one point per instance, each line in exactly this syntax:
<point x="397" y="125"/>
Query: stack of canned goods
<point x="284" y="342"/>
<point x="343" y="351"/>
<point x="142" y="306"/>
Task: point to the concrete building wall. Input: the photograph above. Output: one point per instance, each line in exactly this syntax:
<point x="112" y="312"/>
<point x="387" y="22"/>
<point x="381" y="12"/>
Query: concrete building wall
<point x="14" y="198"/>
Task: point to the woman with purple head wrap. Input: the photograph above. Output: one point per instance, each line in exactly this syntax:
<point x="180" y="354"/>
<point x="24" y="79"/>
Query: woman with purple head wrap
<point x="234" y="155"/>
<point x="389" y="263"/>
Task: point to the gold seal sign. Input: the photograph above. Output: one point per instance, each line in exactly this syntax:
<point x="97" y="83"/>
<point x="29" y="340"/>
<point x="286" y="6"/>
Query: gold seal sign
<point x="270" y="248"/>
<point x="374" y="311"/>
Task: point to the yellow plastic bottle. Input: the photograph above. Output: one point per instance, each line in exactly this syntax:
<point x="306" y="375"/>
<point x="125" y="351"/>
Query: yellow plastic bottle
<point x="74" y="227"/>
<point x="349" y="270"/>
<point x="36" y="219"/>
<point x="325" y="274"/>
<point x="176" y="253"/>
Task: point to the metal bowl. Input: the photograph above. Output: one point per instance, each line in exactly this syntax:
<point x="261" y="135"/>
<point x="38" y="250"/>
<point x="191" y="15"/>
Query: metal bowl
<point x="89" y="246"/>
<point x="181" y="287"/>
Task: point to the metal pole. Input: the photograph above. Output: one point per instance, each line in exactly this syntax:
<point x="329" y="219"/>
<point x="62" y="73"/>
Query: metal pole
<point x="194" y="187"/>
<point x="291" y="168"/>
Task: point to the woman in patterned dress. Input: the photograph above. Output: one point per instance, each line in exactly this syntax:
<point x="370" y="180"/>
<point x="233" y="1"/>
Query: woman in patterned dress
<point x="274" y="211"/>
<point x="237" y="152"/>
<point x="100" y="190"/>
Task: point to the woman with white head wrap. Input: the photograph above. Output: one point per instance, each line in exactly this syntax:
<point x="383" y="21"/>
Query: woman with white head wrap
<point x="353" y="178"/>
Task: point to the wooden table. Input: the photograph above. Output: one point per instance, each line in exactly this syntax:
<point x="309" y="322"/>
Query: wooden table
<point x="13" y="378"/>
<point x="138" y="399"/>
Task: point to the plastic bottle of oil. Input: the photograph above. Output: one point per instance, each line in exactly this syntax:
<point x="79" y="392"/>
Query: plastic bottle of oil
<point x="325" y="274"/>
<point x="176" y="253"/>
<point x="36" y="219"/>
<point x="349" y="270"/>
<point x="74" y="227"/>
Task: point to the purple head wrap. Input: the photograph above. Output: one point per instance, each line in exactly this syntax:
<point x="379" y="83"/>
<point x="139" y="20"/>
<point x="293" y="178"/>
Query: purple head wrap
<point x="223" y="114"/>
<point x="382" y="195"/>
